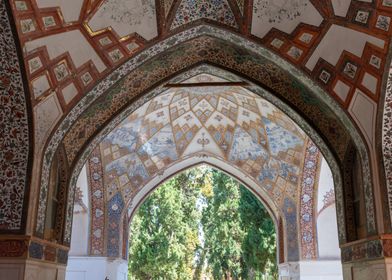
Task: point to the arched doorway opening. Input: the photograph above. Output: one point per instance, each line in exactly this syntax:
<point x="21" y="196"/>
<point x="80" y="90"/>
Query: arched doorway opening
<point x="184" y="126"/>
<point x="340" y="151"/>
<point x="326" y="262"/>
<point x="215" y="222"/>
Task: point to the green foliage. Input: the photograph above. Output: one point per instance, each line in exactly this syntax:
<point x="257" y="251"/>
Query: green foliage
<point x="202" y="223"/>
<point x="259" y="245"/>
<point x="222" y="227"/>
<point x="164" y="235"/>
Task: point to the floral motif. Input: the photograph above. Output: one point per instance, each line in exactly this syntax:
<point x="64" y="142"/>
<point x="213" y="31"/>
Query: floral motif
<point x="307" y="205"/>
<point x="277" y="11"/>
<point x="14" y="131"/>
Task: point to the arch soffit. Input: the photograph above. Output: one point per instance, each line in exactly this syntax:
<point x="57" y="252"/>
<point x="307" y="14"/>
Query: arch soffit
<point x="220" y="73"/>
<point x="241" y="52"/>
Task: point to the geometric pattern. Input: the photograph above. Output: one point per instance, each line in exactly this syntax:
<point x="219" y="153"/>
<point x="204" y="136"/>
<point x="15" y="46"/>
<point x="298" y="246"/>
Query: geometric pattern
<point x="61" y="79"/>
<point x="127" y="92"/>
<point x="218" y="10"/>
<point x="228" y="123"/>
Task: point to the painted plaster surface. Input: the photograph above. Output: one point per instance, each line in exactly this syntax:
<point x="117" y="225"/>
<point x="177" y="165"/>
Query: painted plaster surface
<point x="242" y="129"/>
<point x="338" y="39"/>
<point x="127" y="17"/>
<point x="217" y="52"/>
<point x="284" y="15"/>
<point x="218" y="10"/>
<point x="73" y="42"/>
<point x="229" y="123"/>
<point x="70" y="9"/>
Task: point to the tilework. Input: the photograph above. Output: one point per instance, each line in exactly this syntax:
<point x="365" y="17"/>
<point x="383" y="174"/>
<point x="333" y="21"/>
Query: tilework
<point x="218" y="10"/>
<point x="12" y="248"/>
<point x="125" y="239"/>
<point x="62" y="256"/>
<point x="97" y="197"/>
<point x="387" y="139"/>
<point x="14" y="132"/>
<point x="114" y="227"/>
<point x="367" y="250"/>
<point x="308" y="202"/>
<point x="197" y="50"/>
<point x="291" y="226"/>
<point x="50" y="254"/>
<point x="36" y="250"/>
<point x="24" y="247"/>
<point x="63" y="174"/>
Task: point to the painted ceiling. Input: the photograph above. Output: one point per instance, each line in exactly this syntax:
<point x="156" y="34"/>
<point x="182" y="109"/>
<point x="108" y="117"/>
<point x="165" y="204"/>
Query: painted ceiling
<point x="225" y="122"/>
<point x="69" y="45"/>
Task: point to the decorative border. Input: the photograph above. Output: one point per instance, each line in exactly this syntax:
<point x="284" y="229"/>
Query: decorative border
<point x="97" y="205"/>
<point x="13" y="248"/>
<point x="307" y="205"/>
<point x="114" y="227"/>
<point x="387" y="139"/>
<point x="37" y="249"/>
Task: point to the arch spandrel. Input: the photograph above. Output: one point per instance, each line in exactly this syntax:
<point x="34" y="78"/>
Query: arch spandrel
<point x="292" y="90"/>
<point x="301" y="99"/>
<point x="275" y="101"/>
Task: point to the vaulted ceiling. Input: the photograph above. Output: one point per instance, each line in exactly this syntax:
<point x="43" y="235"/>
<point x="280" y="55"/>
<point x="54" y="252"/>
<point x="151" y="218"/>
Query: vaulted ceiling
<point x="69" y="45"/>
<point x="229" y="123"/>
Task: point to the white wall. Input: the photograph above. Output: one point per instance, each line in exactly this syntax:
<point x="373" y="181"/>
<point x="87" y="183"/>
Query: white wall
<point x="96" y="268"/>
<point x="327" y="234"/>
<point x="325" y="183"/>
<point x="311" y="270"/>
<point x="327" y="229"/>
<point x="80" y="223"/>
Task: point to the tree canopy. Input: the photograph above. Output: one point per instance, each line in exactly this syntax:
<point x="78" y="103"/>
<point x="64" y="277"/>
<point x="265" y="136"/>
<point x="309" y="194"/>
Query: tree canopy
<point x="202" y="224"/>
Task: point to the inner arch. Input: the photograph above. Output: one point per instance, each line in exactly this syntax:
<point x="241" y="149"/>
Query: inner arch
<point x="256" y="92"/>
<point x="243" y="134"/>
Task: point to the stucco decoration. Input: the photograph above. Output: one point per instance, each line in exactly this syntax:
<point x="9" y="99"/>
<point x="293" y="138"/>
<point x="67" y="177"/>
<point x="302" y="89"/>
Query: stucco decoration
<point x="15" y="143"/>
